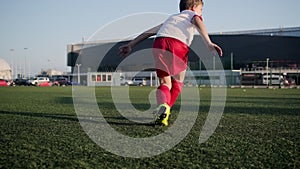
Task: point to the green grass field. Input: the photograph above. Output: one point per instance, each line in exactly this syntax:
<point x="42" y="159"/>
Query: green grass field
<point x="260" y="128"/>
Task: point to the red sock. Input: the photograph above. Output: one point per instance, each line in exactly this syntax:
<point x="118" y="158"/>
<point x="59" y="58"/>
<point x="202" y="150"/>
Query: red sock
<point x="175" y="91"/>
<point x="163" y="95"/>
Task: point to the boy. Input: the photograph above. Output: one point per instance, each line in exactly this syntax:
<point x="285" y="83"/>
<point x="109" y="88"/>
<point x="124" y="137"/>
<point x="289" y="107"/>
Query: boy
<point x="170" y="51"/>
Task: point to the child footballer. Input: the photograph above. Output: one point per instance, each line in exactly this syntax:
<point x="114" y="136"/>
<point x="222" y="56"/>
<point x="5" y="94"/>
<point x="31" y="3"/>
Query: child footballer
<point x="170" y="51"/>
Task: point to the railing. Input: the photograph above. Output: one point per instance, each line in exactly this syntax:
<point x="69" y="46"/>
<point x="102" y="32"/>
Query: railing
<point x="279" y="69"/>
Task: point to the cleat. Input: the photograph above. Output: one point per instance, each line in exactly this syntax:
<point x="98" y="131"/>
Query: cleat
<point x="162" y="114"/>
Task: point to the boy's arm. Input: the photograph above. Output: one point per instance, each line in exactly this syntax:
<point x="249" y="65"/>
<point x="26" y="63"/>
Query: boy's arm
<point x="202" y="30"/>
<point x="151" y="32"/>
<point x="126" y="49"/>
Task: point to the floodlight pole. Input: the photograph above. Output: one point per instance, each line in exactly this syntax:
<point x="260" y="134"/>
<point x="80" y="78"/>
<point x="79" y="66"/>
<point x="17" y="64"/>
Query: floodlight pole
<point x="231" y="67"/>
<point x="151" y="79"/>
<point x="25" y="63"/>
<point x="214" y="62"/>
<point x="12" y="63"/>
<point x="200" y="68"/>
<point x="267" y="72"/>
<point x="78" y="73"/>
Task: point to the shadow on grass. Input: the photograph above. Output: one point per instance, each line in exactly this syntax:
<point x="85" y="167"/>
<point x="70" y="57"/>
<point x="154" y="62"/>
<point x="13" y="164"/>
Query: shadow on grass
<point x="120" y="121"/>
<point x="234" y="105"/>
<point x="42" y="115"/>
<point x="64" y="100"/>
<point x="269" y="100"/>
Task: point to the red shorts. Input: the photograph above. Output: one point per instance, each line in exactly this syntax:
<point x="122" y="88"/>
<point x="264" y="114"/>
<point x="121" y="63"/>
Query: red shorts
<point x="170" y="56"/>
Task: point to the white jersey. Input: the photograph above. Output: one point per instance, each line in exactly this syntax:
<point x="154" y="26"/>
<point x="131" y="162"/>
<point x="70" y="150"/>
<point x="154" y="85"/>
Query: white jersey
<point x="179" y="26"/>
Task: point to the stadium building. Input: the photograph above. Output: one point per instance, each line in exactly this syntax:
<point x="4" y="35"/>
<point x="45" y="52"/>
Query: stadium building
<point x="5" y="70"/>
<point x="258" y="57"/>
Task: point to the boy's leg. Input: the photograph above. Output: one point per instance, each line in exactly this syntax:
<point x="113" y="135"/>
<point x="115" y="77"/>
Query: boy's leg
<point x="163" y="94"/>
<point x="163" y="97"/>
<point x="177" y="83"/>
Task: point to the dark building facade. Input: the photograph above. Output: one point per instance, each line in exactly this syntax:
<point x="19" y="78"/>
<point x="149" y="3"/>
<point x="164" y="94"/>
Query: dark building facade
<point x="241" y="51"/>
<point x="253" y="50"/>
<point x="247" y="50"/>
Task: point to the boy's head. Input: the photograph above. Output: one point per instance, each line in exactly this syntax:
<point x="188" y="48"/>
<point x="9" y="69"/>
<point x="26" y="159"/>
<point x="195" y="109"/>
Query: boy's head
<point x="189" y="4"/>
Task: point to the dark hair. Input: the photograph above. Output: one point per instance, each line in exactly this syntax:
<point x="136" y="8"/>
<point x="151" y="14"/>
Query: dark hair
<point x="187" y="4"/>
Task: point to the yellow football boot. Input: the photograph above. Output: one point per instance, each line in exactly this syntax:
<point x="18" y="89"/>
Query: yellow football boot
<point x="163" y="113"/>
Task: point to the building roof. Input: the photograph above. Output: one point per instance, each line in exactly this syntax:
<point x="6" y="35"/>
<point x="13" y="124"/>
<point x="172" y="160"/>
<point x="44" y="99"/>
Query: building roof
<point x="282" y="31"/>
<point x="4" y="66"/>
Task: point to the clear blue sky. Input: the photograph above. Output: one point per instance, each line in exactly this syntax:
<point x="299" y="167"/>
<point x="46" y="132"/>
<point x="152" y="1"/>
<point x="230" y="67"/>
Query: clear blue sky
<point x="45" y="27"/>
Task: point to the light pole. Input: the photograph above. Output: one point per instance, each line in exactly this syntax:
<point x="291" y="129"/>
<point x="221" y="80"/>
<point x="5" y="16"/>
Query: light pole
<point x="49" y="70"/>
<point x="267" y="72"/>
<point x="231" y="67"/>
<point x="25" y="64"/>
<point x="78" y="73"/>
<point x="12" y="63"/>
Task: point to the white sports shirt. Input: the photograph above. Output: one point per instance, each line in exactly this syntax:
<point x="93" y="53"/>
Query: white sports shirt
<point x="179" y="26"/>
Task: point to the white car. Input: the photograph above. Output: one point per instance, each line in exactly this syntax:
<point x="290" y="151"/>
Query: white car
<point x="126" y="82"/>
<point x="139" y="82"/>
<point x="38" y="80"/>
<point x="134" y="82"/>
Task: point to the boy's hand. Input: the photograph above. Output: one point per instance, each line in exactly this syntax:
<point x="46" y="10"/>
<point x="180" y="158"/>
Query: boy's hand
<point x="125" y="50"/>
<point x="214" y="47"/>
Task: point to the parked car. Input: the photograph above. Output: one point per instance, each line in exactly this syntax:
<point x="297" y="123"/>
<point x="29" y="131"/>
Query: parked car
<point x="273" y="79"/>
<point x="4" y="82"/>
<point x="134" y="82"/>
<point x="139" y="81"/>
<point x="20" y="82"/>
<point x="125" y="81"/>
<point x="38" y="80"/>
<point x="61" y="81"/>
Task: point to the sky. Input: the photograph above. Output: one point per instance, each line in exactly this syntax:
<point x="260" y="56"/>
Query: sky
<point x="37" y="32"/>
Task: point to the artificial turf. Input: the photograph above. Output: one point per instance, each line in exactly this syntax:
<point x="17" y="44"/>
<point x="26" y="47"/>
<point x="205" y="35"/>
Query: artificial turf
<point x="260" y="128"/>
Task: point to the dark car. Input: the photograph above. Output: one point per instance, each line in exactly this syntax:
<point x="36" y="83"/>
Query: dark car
<point x="62" y="81"/>
<point x="21" y="82"/>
